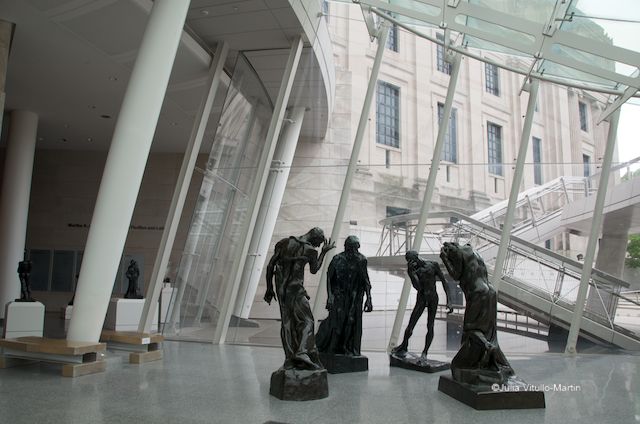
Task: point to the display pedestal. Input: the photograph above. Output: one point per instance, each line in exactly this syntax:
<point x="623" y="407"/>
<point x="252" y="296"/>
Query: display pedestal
<point x="337" y="364"/>
<point x="167" y="302"/>
<point x="299" y="384"/>
<point x="22" y="319"/>
<point x="124" y="315"/>
<point x="516" y="394"/>
<point x="414" y="362"/>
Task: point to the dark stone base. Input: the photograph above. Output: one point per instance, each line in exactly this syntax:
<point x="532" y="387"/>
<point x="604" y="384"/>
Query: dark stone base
<point x="516" y="394"/>
<point x="337" y="364"/>
<point x="299" y="384"/>
<point x="414" y="362"/>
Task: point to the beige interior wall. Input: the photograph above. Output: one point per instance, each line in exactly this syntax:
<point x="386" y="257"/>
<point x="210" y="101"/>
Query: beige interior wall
<point x="64" y="189"/>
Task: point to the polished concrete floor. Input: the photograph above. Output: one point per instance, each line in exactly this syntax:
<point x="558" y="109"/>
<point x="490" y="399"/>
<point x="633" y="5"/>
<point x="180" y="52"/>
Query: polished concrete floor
<point x="203" y="383"/>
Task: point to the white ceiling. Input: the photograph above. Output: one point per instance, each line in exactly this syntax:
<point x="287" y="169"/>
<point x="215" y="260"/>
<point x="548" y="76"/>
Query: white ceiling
<point x="71" y="59"/>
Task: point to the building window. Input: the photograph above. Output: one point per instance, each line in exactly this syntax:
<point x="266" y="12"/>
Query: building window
<point x="492" y="79"/>
<point x="494" y="142"/>
<point x="537" y="160"/>
<point x="325" y="9"/>
<point x="450" y="150"/>
<point x="392" y="39"/>
<point x="582" y="108"/>
<point x="442" y="65"/>
<point x="586" y="165"/>
<point x="547" y="244"/>
<point x="388" y="115"/>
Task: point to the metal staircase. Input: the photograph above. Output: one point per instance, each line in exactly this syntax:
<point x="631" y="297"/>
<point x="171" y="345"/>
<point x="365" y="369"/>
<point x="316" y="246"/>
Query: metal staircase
<point x="536" y="281"/>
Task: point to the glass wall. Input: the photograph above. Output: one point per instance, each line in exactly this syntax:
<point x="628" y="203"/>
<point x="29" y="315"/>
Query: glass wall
<point x="553" y="214"/>
<point x="220" y="216"/>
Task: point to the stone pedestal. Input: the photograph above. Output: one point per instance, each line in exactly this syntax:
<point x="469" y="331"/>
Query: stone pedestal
<point x="415" y="362"/>
<point x="23" y="319"/>
<point x="124" y="315"/>
<point x="299" y="384"/>
<point x="515" y="394"/>
<point x="337" y="364"/>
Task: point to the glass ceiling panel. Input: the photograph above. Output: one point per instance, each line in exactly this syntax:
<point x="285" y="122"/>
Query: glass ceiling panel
<point x="580" y="44"/>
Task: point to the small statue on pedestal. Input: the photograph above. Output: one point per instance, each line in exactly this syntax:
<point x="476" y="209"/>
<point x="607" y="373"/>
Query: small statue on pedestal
<point x="24" y="270"/>
<point x="302" y="376"/>
<point x="339" y="335"/>
<point x="133" y="272"/>
<point x="482" y="376"/>
<point x="423" y="276"/>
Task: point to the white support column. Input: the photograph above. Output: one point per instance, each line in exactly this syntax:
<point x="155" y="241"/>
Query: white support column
<point x="268" y="213"/>
<point x="321" y="293"/>
<point x="14" y="203"/>
<point x="594" y="235"/>
<point x="125" y="166"/>
<point x="182" y="187"/>
<point x="231" y="291"/>
<point x="6" y="35"/>
<point x="505" y="237"/>
<point x="428" y="193"/>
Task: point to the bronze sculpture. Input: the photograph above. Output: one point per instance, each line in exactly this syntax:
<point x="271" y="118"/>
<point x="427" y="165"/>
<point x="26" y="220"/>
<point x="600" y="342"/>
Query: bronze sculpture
<point x="286" y="266"/>
<point x="133" y="272"/>
<point x="482" y="376"/>
<point x="24" y="271"/>
<point x="341" y="332"/>
<point x="423" y="276"/>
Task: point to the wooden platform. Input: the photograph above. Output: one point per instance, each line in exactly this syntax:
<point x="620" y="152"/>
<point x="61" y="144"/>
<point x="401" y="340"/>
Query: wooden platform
<point x="78" y="358"/>
<point x="146" y="347"/>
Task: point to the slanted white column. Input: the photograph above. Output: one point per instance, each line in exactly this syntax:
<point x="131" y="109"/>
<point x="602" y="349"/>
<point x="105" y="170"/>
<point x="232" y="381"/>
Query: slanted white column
<point x="594" y="235"/>
<point x="14" y="203"/>
<point x="321" y="293"/>
<point x="182" y="187"/>
<point x="125" y="166"/>
<point x="6" y="34"/>
<point x="268" y="213"/>
<point x="505" y="237"/>
<point x="443" y="126"/>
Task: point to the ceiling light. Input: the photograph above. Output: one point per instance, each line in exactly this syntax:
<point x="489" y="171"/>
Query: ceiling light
<point x="173" y="124"/>
<point x="64" y="140"/>
<point x="89" y="139"/>
<point x="204" y="12"/>
<point x="105" y="116"/>
<point x="112" y="78"/>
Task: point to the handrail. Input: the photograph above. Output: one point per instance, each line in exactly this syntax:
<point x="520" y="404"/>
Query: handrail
<point x="551" y="256"/>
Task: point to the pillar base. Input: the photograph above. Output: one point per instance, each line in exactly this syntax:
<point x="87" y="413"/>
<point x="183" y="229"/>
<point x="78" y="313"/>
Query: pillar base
<point x="515" y="394"/>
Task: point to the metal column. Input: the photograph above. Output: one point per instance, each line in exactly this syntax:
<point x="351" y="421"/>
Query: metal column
<point x="182" y="187"/>
<point x="428" y="193"/>
<point x="231" y="291"/>
<point x="596" y="225"/>
<point x="321" y="293"/>
<point x="505" y="237"/>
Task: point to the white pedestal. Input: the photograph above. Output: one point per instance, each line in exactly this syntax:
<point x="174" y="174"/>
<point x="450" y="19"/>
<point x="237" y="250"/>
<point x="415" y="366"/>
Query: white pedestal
<point x="23" y="319"/>
<point x="124" y="315"/>
<point x="167" y="302"/>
